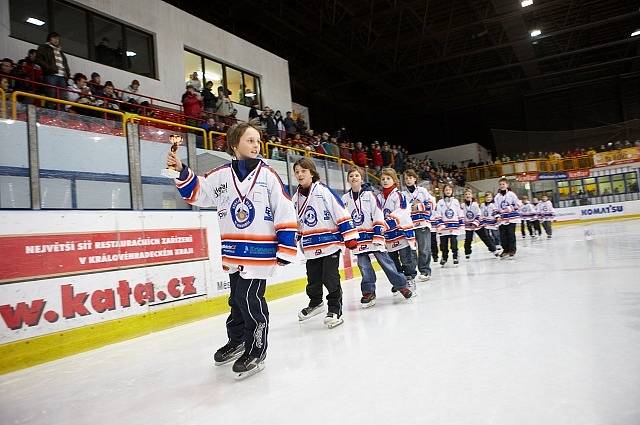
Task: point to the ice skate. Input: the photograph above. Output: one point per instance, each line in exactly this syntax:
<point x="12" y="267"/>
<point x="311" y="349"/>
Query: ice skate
<point x="308" y="312"/>
<point x="228" y="353"/>
<point x="407" y="294"/>
<point x="467" y="256"/>
<point x="411" y="284"/>
<point x="368" y="300"/>
<point x="455" y="262"/>
<point x="443" y="262"/>
<point x="247" y="366"/>
<point x="332" y="320"/>
<point x="424" y="277"/>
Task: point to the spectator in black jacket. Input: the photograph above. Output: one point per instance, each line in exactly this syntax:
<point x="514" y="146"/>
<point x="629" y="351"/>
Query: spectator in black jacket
<point x="387" y="156"/>
<point x="268" y="122"/>
<point x="95" y="84"/>
<point x="53" y="62"/>
<point x="253" y="112"/>
<point x="290" y="125"/>
<point x="209" y="99"/>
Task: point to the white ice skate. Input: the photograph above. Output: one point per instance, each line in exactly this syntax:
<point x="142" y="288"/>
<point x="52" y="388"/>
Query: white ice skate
<point x="332" y="320"/>
<point x="308" y="312"/>
<point x="411" y="284"/>
<point x="424" y="277"/>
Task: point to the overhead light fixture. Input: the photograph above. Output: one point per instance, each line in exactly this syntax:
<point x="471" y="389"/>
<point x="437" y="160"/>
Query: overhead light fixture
<point x="535" y="33"/>
<point x="636" y="32"/>
<point x="130" y="53"/>
<point x="250" y="95"/>
<point x="526" y="3"/>
<point x="35" y="21"/>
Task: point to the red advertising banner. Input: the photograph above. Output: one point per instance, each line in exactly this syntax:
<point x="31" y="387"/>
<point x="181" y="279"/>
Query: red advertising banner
<point x="26" y="257"/>
<point x="578" y="174"/>
<point x="530" y="176"/>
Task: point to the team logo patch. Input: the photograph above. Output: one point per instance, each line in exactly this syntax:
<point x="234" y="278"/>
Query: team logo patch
<point x="242" y="213"/>
<point x="386" y="213"/>
<point x="504" y="204"/>
<point x="357" y="217"/>
<point x="449" y="213"/>
<point x="470" y="215"/>
<point x="310" y="217"/>
<point x="545" y="208"/>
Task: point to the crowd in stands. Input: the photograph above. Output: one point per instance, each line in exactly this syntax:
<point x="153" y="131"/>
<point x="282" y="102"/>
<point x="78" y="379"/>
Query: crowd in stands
<point x="573" y="153"/>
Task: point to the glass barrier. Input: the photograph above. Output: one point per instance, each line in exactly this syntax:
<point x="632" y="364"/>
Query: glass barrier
<point x="158" y="192"/>
<point x="14" y="165"/>
<point x="83" y="160"/>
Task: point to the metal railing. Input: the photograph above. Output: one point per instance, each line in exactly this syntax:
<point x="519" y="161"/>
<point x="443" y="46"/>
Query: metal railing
<point x="530" y="165"/>
<point x="3" y="105"/>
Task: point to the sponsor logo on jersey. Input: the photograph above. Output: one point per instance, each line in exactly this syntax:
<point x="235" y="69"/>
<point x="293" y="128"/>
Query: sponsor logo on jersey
<point x="242" y="213"/>
<point x="268" y="216"/>
<point x="310" y="217"/>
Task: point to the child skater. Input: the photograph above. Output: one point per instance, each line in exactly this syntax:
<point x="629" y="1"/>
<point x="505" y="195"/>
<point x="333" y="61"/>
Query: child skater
<point x="536" y="218"/>
<point x="472" y="224"/>
<point x="489" y="219"/>
<point x="507" y="204"/>
<point x="367" y="215"/>
<point x="324" y="226"/>
<point x="422" y="204"/>
<point x="257" y="227"/>
<point x="547" y="214"/>
<point x="400" y="239"/>
<point x="450" y="224"/>
<point x="527" y="214"/>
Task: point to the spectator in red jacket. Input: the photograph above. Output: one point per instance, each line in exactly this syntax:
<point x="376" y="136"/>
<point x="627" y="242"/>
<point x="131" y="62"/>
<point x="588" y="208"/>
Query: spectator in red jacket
<point x="360" y="156"/>
<point x="345" y="152"/>
<point x="31" y="71"/>
<point x="376" y="156"/>
<point x="192" y="104"/>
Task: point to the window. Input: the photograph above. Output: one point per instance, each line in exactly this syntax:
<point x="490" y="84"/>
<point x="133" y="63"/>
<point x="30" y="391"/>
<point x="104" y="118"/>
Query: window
<point x="74" y="22"/>
<point x="84" y="34"/>
<point x="244" y="87"/>
<point x="604" y="185"/>
<point x="234" y="85"/>
<point x="563" y="190"/>
<point x="618" y="184"/>
<point x="576" y="188"/>
<point x="139" y="53"/>
<point x="591" y="187"/>
<point x="29" y="20"/>
<point x="632" y="182"/>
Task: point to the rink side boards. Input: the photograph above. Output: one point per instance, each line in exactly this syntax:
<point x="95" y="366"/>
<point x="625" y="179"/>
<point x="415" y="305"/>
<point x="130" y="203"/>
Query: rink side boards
<point x="32" y="350"/>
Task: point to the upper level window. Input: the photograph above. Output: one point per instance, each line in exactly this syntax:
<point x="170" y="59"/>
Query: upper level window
<point x="84" y="33"/>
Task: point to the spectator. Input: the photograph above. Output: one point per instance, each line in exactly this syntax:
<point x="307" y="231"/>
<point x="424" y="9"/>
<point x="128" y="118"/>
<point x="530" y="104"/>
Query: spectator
<point x="224" y="107"/>
<point x="301" y="124"/>
<point x="376" y="157"/>
<point x="233" y="118"/>
<point x="133" y="95"/>
<point x="209" y="99"/>
<point x="280" y="125"/>
<point x="360" y="156"/>
<point x="80" y="93"/>
<point x="4" y="84"/>
<point x="6" y="70"/>
<point x="195" y="82"/>
<point x="253" y="112"/>
<point x="109" y="92"/>
<point x="95" y="84"/>
<point x="398" y="159"/>
<point x="31" y="71"/>
<point x="387" y="158"/>
<point x="210" y="125"/>
<point x="192" y="104"/>
<point x="53" y="62"/>
<point x="289" y="125"/>
<point x="345" y="152"/>
<point x="331" y="147"/>
<point x="268" y="122"/>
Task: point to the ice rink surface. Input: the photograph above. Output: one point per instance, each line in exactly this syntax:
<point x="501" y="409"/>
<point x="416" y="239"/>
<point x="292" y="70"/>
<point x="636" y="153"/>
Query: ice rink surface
<point x="551" y="337"/>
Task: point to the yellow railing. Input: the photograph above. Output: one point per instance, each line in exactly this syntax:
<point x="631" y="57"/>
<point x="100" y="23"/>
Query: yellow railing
<point x="136" y="117"/>
<point x="3" y="106"/>
<point x="518" y="167"/>
<point x="266" y="152"/>
<point x="14" y="106"/>
<point x="211" y="134"/>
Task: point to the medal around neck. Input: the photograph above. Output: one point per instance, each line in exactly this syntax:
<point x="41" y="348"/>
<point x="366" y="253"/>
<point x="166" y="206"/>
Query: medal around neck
<point x="170" y="171"/>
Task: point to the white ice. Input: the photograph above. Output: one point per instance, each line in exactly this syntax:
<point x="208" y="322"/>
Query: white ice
<point x="552" y="337"/>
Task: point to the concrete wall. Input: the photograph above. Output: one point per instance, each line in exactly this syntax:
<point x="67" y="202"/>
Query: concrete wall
<point x="457" y="154"/>
<point x="173" y="30"/>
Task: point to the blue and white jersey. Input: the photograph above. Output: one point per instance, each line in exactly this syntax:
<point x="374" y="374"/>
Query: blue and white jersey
<point x="528" y="212"/>
<point x="324" y="224"/>
<point x="450" y="217"/>
<point x="256" y="216"/>
<point x="507" y="205"/>
<point x="422" y="205"/>
<point x="489" y="216"/>
<point x="367" y="216"/>
<point x="546" y="211"/>
<point x="471" y="215"/>
<point x="397" y="215"/>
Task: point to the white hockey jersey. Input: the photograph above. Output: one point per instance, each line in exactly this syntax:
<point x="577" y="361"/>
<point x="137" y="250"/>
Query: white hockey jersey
<point x="528" y="212"/>
<point x="323" y="222"/>
<point x="450" y="217"/>
<point x="545" y="211"/>
<point x="367" y="216"/>
<point x="489" y="216"/>
<point x="256" y="216"/>
<point x="397" y="215"/>
<point x="422" y="204"/>
<point x="471" y="215"/>
<point x="507" y="205"/>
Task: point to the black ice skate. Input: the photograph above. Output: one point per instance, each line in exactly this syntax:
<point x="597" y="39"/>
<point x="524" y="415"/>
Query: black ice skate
<point x="455" y="262"/>
<point x="368" y="300"/>
<point x="467" y="256"/>
<point x="308" y="312"/>
<point x="247" y="366"/>
<point x="443" y="262"/>
<point x="333" y="319"/>
<point x="228" y="353"/>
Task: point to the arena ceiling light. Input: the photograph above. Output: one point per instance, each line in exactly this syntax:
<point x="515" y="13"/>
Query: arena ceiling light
<point x="636" y="32"/>
<point x="526" y="3"/>
<point x="130" y="53"/>
<point x="535" y="33"/>
<point x="35" y="21"/>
